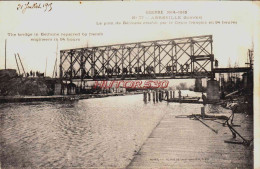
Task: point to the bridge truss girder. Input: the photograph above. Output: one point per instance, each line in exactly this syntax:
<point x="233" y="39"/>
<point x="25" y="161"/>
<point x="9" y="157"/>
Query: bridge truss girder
<point x="188" y="57"/>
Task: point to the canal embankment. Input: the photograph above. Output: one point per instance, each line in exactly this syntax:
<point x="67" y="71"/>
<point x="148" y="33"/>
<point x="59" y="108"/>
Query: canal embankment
<point x="14" y="88"/>
<point x="188" y="143"/>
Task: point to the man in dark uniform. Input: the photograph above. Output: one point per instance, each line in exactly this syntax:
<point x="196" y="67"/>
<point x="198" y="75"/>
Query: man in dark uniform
<point x="204" y="98"/>
<point x="216" y="63"/>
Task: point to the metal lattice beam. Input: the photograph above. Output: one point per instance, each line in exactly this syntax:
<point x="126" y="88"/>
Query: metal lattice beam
<point x="174" y="58"/>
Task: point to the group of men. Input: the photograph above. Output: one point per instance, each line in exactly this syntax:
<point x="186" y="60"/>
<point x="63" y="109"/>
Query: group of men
<point x="32" y="74"/>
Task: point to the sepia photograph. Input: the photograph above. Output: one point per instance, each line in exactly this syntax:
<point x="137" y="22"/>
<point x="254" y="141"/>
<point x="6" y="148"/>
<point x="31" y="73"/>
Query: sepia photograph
<point x="129" y="84"/>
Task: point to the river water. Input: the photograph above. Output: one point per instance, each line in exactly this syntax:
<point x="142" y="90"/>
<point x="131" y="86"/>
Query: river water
<point x="101" y="132"/>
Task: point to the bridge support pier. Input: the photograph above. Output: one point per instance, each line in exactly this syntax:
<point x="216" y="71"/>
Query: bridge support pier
<point x="149" y="96"/>
<point x="212" y="91"/>
<point x="153" y="96"/>
<point x="167" y="95"/>
<point x="157" y="96"/>
<point x="198" y="85"/>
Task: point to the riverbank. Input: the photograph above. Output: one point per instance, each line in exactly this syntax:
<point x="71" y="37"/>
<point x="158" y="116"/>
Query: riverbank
<point x="16" y="85"/>
<point x="186" y="143"/>
<point x="15" y="99"/>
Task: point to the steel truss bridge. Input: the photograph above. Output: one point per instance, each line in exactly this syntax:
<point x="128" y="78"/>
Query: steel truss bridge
<point x="189" y="57"/>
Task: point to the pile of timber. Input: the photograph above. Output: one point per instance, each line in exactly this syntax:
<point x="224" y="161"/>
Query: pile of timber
<point x="186" y="100"/>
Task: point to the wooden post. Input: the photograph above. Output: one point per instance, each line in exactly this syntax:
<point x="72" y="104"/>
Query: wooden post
<point x="171" y="94"/>
<point x="162" y="93"/>
<point x="145" y="96"/>
<point x="149" y="96"/>
<point x="5" y="53"/>
<point x="156" y="96"/>
<point x="153" y="96"/>
<point x="160" y="96"/>
<point x="167" y="95"/>
<point x="203" y="112"/>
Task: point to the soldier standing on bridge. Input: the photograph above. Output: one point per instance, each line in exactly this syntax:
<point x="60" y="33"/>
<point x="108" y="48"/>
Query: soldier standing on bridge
<point x="216" y="63"/>
<point x="204" y="98"/>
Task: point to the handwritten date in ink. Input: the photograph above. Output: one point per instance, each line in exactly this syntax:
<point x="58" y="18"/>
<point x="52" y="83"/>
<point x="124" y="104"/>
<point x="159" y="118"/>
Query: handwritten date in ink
<point x="46" y="7"/>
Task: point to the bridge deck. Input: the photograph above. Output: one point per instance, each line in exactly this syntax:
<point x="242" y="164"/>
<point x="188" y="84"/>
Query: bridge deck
<point x="184" y="75"/>
<point x="231" y="70"/>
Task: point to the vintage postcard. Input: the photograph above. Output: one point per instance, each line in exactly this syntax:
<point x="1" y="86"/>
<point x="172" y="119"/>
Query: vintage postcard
<point x="123" y="84"/>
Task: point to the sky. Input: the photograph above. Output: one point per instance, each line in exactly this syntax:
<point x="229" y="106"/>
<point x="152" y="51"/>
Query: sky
<point x="230" y="41"/>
